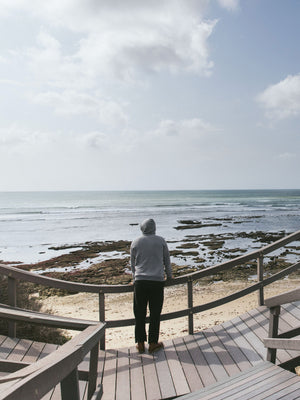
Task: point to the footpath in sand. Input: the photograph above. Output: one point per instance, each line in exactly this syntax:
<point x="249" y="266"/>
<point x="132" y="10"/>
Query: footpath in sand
<point x="85" y="305"/>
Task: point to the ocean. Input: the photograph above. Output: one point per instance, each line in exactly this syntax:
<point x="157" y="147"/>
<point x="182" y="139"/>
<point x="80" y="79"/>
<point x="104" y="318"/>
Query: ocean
<point x="32" y="222"/>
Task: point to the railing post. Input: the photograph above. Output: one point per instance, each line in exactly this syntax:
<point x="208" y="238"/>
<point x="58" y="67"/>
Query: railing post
<point x="260" y="278"/>
<point x="190" y="306"/>
<point x="93" y="371"/>
<point x="273" y="331"/>
<point x="70" y="386"/>
<point x="102" y="316"/>
<point x="12" y="301"/>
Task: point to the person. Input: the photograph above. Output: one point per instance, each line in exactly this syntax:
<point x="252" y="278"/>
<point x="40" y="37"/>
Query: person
<point x="150" y="260"/>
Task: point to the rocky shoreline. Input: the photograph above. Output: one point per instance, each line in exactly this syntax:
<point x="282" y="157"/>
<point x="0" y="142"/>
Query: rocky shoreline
<point x="109" y="262"/>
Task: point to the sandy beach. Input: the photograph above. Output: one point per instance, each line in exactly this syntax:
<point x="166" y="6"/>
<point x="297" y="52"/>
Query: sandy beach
<point x="85" y="305"/>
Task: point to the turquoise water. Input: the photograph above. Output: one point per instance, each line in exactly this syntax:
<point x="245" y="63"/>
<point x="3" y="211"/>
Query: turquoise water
<point x="31" y="222"/>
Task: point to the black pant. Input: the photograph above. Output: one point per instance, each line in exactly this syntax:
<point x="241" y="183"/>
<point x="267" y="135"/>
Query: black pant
<point x="152" y="293"/>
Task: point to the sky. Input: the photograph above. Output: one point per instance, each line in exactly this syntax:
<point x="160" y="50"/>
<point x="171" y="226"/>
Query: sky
<point x="149" y="95"/>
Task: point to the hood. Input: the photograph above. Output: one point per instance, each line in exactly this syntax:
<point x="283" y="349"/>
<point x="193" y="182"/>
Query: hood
<point x="148" y="227"/>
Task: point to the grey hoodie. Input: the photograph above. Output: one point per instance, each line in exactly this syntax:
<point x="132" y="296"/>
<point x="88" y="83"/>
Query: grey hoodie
<point x="149" y="255"/>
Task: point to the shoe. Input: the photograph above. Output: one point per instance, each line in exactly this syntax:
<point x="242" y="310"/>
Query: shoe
<point x="141" y="347"/>
<point x="153" y="347"/>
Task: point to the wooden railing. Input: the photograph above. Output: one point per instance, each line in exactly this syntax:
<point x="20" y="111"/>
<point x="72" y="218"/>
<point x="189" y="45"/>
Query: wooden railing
<point x="285" y="340"/>
<point x="33" y="381"/>
<point x="15" y="274"/>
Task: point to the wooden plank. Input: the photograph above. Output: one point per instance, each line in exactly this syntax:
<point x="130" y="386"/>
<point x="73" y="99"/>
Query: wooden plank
<point x="204" y="370"/>
<point x="190" y="370"/>
<point x="83" y="388"/>
<point x="236" y="353"/>
<point x="241" y="386"/>
<point x="164" y="374"/>
<point x="250" y="336"/>
<point x="225" y="358"/>
<point x="137" y="384"/>
<point x="211" y="358"/>
<point x="291" y="315"/>
<point x="48" y="349"/>
<point x="255" y="388"/>
<point x="242" y="343"/>
<point x="122" y="379"/>
<point x="20" y="350"/>
<point x="281" y="389"/>
<point x="34" y="352"/>
<point x="7" y="346"/>
<point x="179" y="378"/>
<point x="233" y="382"/>
<point x="291" y="393"/>
<point x="2" y="338"/>
<point x="151" y="380"/>
<point x="294" y="309"/>
<point x="261" y="319"/>
<point x="109" y="375"/>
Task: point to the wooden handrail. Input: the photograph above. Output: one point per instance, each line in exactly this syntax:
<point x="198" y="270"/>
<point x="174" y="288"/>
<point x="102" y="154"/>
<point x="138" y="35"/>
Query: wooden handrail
<point x="282" y="341"/>
<point x="35" y="380"/>
<point x="34" y="317"/>
<point x="14" y="274"/>
<point x="288" y="297"/>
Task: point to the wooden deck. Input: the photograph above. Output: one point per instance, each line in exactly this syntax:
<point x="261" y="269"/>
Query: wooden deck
<point x="265" y="381"/>
<point x="185" y="365"/>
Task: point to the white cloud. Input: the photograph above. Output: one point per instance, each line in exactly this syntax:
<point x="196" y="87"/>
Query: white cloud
<point x="16" y="137"/>
<point x="230" y="5"/>
<point x="286" y="156"/>
<point x="50" y="66"/>
<point x="193" y="128"/>
<point x="282" y="100"/>
<point x="118" y="39"/>
<point x="108" y="112"/>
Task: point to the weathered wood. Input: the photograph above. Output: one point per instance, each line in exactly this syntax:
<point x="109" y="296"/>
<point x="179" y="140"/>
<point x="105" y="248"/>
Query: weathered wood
<point x="102" y="317"/>
<point x="262" y="319"/>
<point x="11" y="366"/>
<point x="18" y="314"/>
<point x="20" y="350"/>
<point x="179" y="379"/>
<point x="7" y="346"/>
<point x="12" y="301"/>
<point x="109" y="375"/>
<point x="190" y="306"/>
<point x="236" y="353"/>
<point x="151" y="381"/>
<point x="273" y="331"/>
<point x="203" y="368"/>
<point x="286" y="344"/>
<point x="164" y="375"/>
<point x="283" y="298"/>
<point x="93" y="370"/>
<point x="123" y="382"/>
<point x="37" y="379"/>
<point x="262" y="382"/>
<point x="260" y="278"/>
<point x="70" y="387"/>
<point x="224" y="357"/>
<point x="187" y="365"/>
<point x="242" y="343"/>
<point x="137" y="384"/>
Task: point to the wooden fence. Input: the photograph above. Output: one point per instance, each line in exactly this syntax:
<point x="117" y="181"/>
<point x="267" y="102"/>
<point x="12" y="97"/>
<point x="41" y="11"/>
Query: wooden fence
<point x="15" y="274"/>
